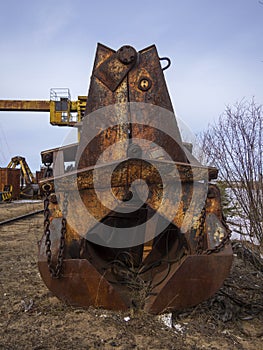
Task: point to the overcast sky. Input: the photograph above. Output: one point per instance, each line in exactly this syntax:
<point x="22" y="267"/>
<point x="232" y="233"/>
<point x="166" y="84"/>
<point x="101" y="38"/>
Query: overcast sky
<point x="215" y="47"/>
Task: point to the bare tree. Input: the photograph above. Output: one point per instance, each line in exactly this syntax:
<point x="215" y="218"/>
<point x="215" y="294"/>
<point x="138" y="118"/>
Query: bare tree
<point x="235" y="145"/>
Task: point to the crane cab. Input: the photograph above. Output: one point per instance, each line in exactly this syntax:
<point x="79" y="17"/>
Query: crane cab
<point x="63" y="111"/>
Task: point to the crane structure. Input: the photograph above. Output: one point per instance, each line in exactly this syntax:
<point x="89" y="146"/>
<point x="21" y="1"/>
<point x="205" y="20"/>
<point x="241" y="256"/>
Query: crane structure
<point x="28" y="183"/>
<point x="26" y="174"/>
<point x="63" y="111"/>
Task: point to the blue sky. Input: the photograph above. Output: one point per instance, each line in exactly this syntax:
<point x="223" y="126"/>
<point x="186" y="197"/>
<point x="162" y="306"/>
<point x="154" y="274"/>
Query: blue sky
<point x="215" y="47"/>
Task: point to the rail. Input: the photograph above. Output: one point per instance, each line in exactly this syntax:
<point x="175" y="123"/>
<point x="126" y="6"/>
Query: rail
<point x="7" y="221"/>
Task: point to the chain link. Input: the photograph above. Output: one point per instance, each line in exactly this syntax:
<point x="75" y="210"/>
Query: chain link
<point x="223" y="242"/>
<point x="46" y="190"/>
<point x="201" y="229"/>
<point x="200" y="242"/>
<point x="55" y="272"/>
<point x="48" y="171"/>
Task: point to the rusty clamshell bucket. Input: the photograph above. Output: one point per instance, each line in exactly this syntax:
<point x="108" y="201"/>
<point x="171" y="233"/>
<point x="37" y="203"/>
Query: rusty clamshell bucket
<point x="136" y="222"/>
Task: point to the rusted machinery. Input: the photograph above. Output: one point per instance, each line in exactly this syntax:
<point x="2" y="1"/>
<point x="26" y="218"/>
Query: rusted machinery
<point x="28" y="183"/>
<point x="9" y="184"/>
<point x="131" y="217"/>
<point x="6" y="193"/>
<point x="135" y="222"/>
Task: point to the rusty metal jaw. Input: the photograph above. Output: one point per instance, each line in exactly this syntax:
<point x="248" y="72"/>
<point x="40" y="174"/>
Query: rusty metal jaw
<point x="168" y="278"/>
<point x="110" y="248"/>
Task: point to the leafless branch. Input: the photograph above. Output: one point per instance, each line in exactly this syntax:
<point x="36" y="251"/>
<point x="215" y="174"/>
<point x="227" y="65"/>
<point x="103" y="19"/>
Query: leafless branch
<point x="235" y="145"/>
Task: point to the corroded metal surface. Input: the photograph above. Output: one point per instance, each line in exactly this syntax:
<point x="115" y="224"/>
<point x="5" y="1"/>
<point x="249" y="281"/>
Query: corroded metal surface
<point x="82" y="285"/>
<point x="24" y="105"/>
<point x="183" y="255"/>
<point x="10" y="176"/>
<point x="193" y="280"/>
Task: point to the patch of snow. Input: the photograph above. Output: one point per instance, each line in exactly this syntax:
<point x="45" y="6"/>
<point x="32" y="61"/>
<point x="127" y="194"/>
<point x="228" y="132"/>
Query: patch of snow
<point x="179" y="328"/>
<point x="166" y="319"/>
<point x="27" y="305"/>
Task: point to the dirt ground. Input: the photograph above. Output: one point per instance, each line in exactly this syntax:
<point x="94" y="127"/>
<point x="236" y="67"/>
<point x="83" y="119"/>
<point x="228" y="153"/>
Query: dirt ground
<point x="31" y="318"/>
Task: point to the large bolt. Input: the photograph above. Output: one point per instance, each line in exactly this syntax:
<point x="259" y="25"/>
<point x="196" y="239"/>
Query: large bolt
<point x="144" y="84"/>
<point x="127" y="54"/>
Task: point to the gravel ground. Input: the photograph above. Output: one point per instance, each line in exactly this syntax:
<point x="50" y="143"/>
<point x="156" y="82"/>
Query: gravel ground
<point x="32" y="318"/>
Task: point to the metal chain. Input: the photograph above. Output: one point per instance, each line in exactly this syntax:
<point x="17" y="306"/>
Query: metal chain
<point x="223" y="242"/>
<point x="48" y="170"/>
<point x="46" y="190"/>
<point x="59" y="266"/>
<point x="56" y="272"/>
<point x="200" y="242"/>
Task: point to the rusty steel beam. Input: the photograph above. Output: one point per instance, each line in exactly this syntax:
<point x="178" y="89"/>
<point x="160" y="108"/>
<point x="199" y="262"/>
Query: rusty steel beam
<point x="25" y="105"/>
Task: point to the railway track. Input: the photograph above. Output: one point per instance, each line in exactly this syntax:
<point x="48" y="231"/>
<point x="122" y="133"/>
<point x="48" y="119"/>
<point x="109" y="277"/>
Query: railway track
<point x="20" y="217"/>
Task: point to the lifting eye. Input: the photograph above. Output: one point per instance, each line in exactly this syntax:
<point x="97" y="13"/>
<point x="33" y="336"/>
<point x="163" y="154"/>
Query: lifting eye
<point x="168" y="62"/>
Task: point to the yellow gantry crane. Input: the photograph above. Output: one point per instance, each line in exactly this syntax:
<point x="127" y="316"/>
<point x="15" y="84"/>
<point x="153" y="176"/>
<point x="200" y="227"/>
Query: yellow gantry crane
<point x="26" y="173"/>
<point x="63" y="111"/>
<point x="28" y="183"/>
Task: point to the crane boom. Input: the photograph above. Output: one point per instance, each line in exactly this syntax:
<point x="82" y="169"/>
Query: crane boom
<point x="63" y="111"/>
<point x="25" y="105"/>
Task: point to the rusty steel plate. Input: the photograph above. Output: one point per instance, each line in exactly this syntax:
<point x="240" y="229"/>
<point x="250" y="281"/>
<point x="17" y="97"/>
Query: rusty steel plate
<point x="192" y="281"/>
<point x="82" y="285"/>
